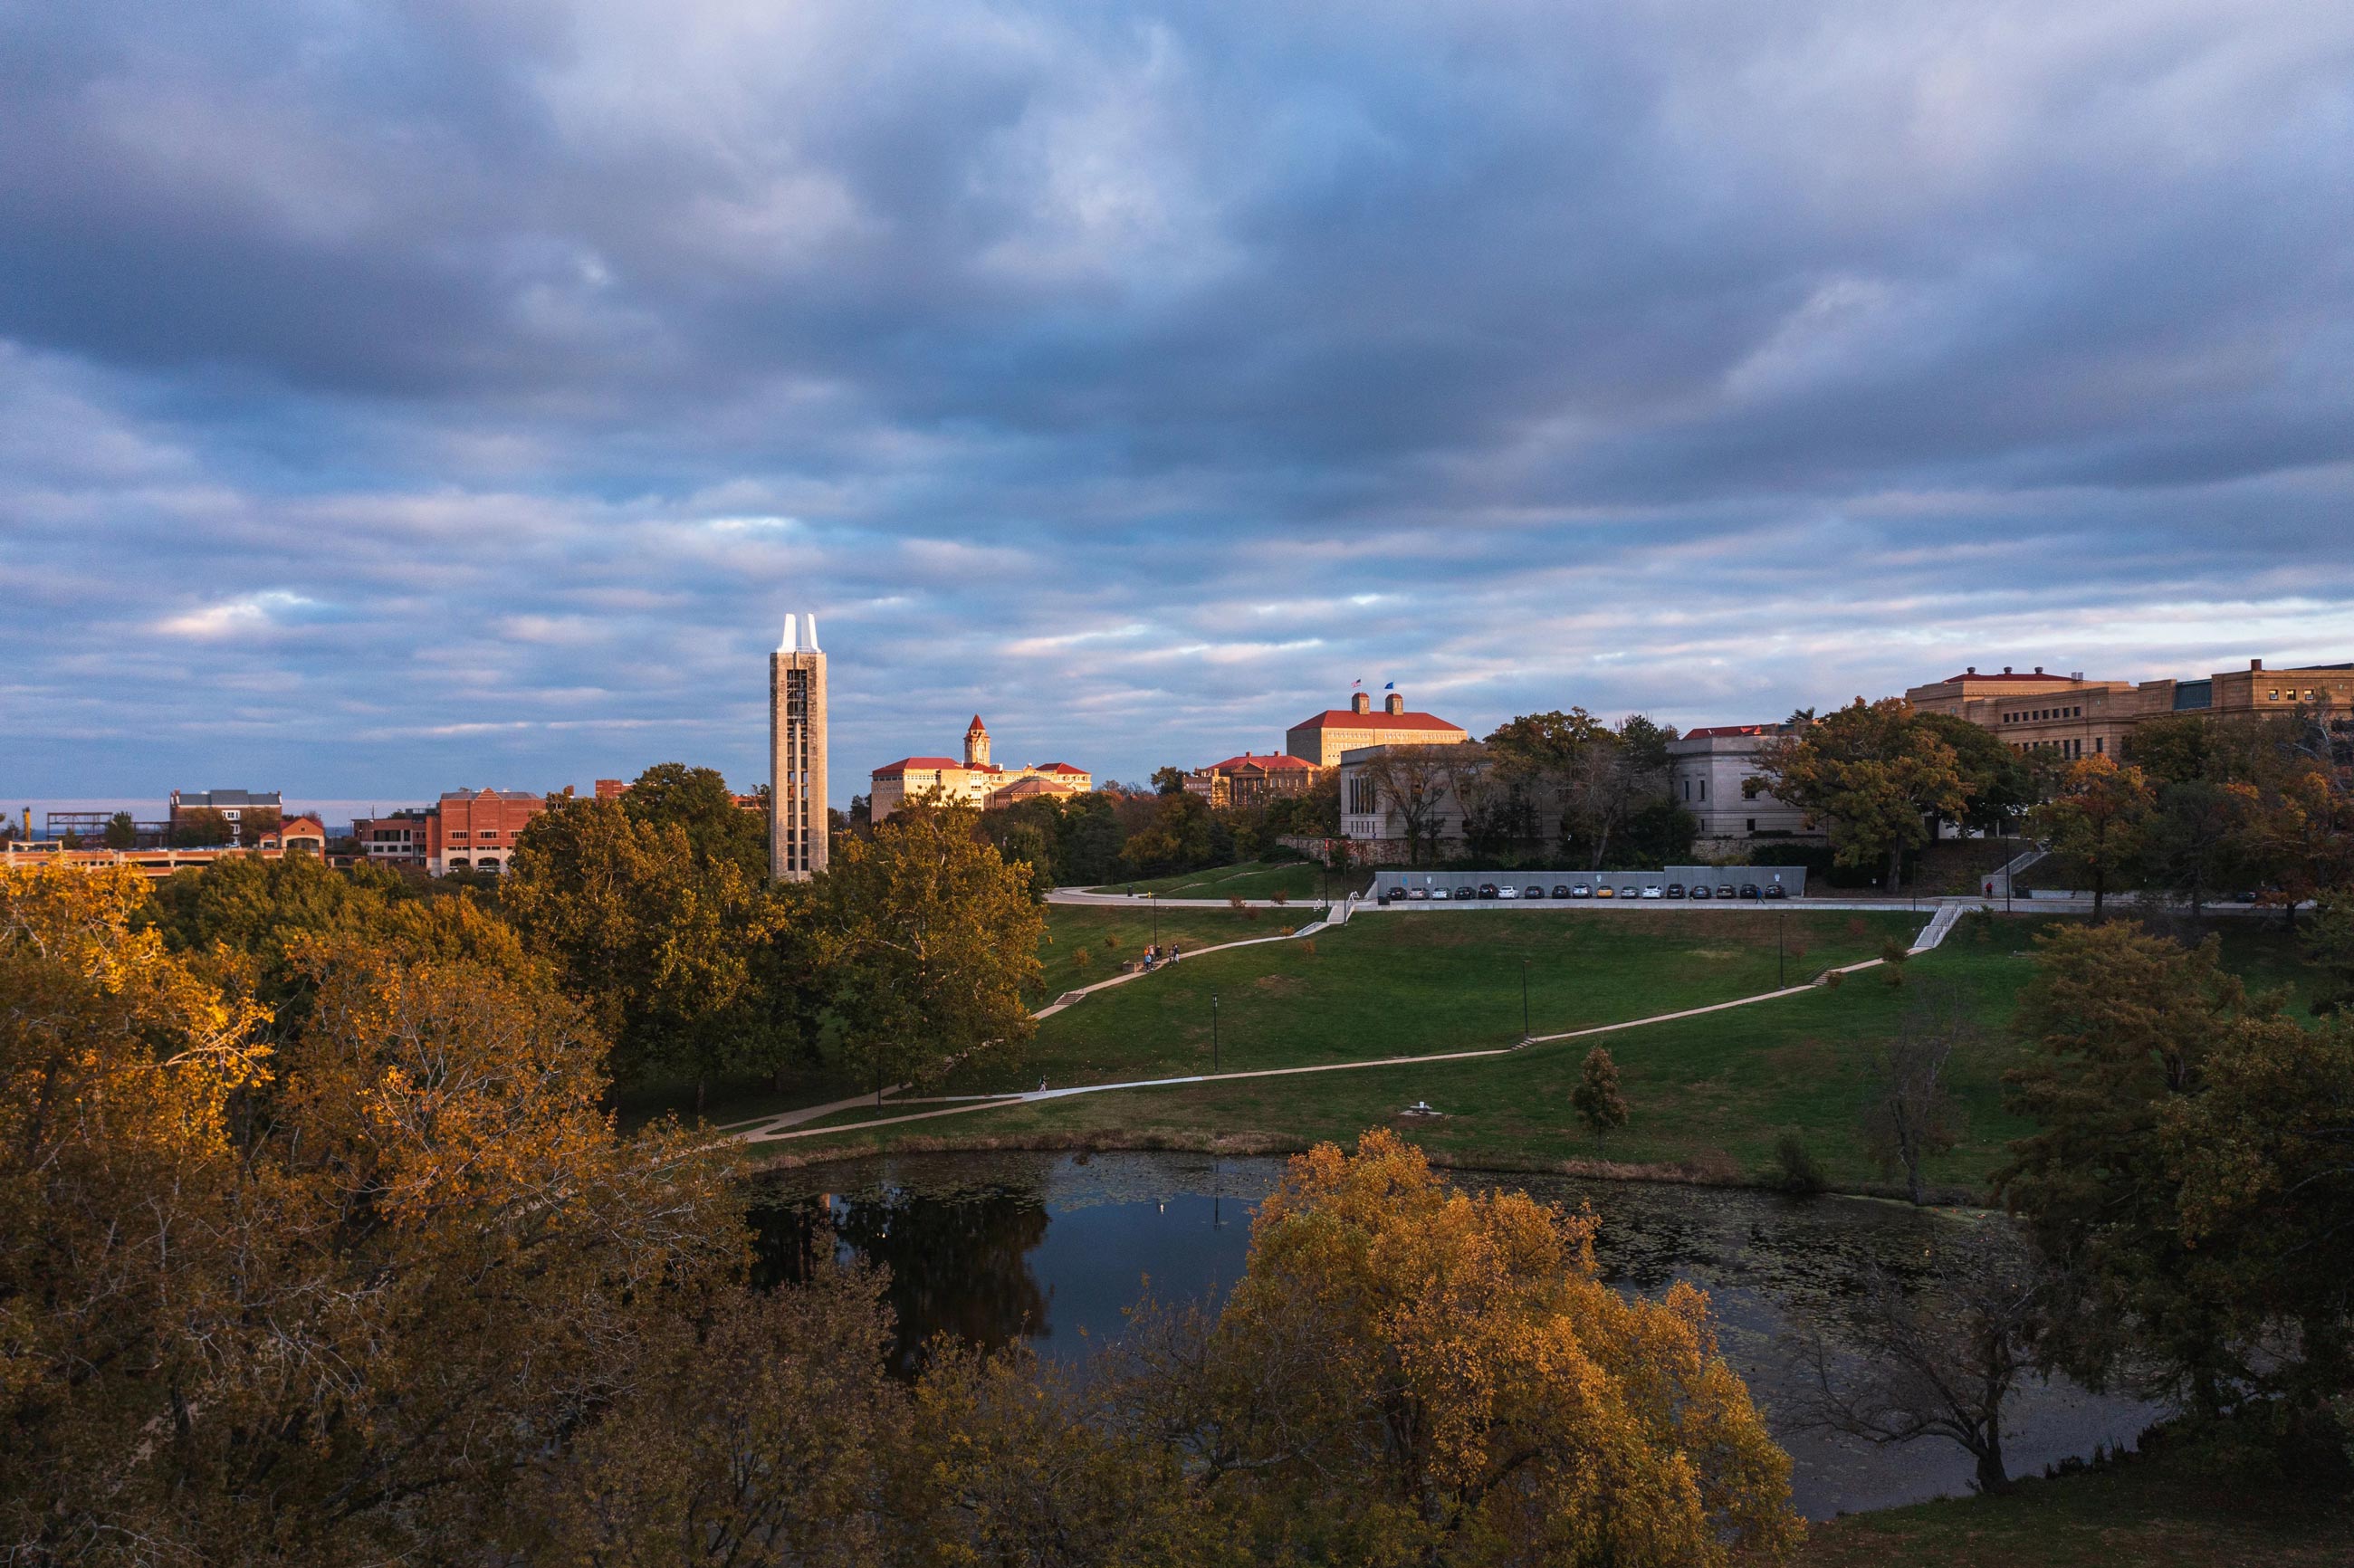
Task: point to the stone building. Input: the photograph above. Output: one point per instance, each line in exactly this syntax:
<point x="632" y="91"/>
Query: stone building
<point x="1705" y="770"/>
<point x="2069" y="716"/>
<point x="975" y="781"/>
<point x="1320" y="738"/>
<point x="1252" y="780"/>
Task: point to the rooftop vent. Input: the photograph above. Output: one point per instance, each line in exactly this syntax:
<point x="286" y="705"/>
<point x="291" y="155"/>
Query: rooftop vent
<point x="2006" y="669"/>
<point x="2039" y="669"/>
<point x="1971" y="671"/>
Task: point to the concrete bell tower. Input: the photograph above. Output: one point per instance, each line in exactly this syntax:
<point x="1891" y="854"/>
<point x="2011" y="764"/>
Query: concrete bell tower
<point x="797" y="819"/>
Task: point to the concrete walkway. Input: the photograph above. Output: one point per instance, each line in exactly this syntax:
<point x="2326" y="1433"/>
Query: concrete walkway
<point x="781" y="1131"/>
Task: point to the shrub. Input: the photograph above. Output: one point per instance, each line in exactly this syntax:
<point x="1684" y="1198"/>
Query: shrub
<point x="1800" y="1170"/>
<point x="1308" y="946"/>
<point x="1279" y="896"/>
<point x="1233" y="900"/>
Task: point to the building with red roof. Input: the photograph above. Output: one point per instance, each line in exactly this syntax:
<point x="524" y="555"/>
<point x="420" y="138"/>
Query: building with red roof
<point x="1253" y="779"/>
<point x="1320" y="738"/>
<point x="974" y="780"/>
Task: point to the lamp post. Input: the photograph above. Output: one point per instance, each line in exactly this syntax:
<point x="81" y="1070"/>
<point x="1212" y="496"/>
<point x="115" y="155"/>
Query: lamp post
<point x="1155" y="896"/>
<point x="1781" y="973"/>
<point x="1214" y="1035"/>
<point x="1525" y="1001"/>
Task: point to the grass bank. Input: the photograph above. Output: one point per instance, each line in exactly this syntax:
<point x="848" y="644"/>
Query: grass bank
<point x="1710" y="1096"/>
<point x="2160" y="1509"/>
<point x="1252" y="879"/>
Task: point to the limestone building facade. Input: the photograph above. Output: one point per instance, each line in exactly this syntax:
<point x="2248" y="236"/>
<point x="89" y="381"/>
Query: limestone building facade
<point x="798" y="832"/>
<point x="2068" y="716"/>
<point x="1320" y="738"/>
<point x="975" y="781"/>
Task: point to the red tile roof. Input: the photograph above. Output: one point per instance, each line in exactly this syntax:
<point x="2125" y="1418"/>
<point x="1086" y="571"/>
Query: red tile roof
<point x="920" y="764"/>
<point x="1717" y="729"/>
<point x="1059" y="768"/>
<point x="1348" y="718"/>
<point x="1274" y="761"/>
<point x="976" y="724"/>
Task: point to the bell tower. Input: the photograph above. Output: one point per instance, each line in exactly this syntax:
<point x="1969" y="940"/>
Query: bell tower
<point x="797" y="819"/>
<point x="976" y="744"/>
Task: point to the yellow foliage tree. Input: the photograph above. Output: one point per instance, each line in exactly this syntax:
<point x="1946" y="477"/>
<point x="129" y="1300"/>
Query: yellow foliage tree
<point x="1411" y="1372"/>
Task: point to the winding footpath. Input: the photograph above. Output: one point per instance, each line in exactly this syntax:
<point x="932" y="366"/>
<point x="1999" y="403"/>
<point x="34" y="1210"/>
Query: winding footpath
<point x="793" y="1125"/>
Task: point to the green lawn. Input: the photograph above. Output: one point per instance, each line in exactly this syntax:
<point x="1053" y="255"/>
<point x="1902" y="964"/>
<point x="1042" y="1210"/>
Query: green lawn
<point x="1252" y="879"/>
<point x="1112" y="934"/>
<point x="1411" y="984"/>
<point x="2150" y="1512"/>
<point x="1711" y="1094"/>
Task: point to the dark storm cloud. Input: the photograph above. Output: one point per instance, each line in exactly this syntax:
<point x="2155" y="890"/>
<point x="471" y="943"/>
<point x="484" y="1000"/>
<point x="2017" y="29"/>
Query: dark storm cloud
<point x="403" y="396"/>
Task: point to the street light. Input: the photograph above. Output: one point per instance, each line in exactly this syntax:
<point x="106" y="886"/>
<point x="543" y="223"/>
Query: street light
<point x="1781" y="973"/>
<point x="1214" y="1035"/>
<point x="1525" y="1001"/>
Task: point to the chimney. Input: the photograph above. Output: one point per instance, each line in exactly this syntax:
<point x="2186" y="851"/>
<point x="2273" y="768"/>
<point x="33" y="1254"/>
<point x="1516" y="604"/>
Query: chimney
<point x="1394" y="704"/>
<point x="1971" y="671"/>
<point x="2006" y="669"/>
<point x="2256" y="664"/>
<point x="1362" y="702"/>
<point x="2039" y="669"/>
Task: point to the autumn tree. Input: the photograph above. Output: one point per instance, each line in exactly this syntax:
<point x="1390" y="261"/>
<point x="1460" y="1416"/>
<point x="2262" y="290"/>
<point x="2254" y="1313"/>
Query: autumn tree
<point x="323" y="1305"/>
<point x="2098" y="816"/>
<point x="1408" y="1372"/>
<point x="121" y="832"/>
<point x="199" y="827"/>
<point x="672" y="948"/>
<point x="1181" y="833"/>
<point x="1596" y="1097"/>
<point x="2329" y="950"/>
<point x="932" y="940"/>
<point x="1911" y="1114"/>
<point x="1873" y="774"/>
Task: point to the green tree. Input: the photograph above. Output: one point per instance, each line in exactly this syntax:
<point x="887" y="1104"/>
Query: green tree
<point x="1873" y="774"/>
<point x="2123" y="1025"/>
<point x="199" y="827"/>
<point x="697" y="801"/>
<point x="1181" y="835"/>
<point x="2330" y="949"/>
<point x="2264" y="1157"/>
<point x="2196" y="843"/>
<point x="1596" y="1098"/>
<point x="668" y="946"/>
<point x="2099" y="817"/>
<point x="932" y="940"/>
<point x="122" y="832"/>
<point x="1168" y="780"/>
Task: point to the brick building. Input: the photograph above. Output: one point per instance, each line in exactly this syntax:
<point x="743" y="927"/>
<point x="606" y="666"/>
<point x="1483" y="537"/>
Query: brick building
<point x="396" y="839"/>
<point x="1320" y="738"/>
<point x="240" y="808"/>
<point x="476" y="829"/>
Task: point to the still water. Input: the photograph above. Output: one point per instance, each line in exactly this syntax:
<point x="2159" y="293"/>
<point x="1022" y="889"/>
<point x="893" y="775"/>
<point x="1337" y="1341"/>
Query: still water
<point x="1055" y="1247"/>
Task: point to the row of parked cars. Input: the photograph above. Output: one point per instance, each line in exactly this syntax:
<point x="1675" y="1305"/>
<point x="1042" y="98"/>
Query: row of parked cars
<point x="1623" y="889"/>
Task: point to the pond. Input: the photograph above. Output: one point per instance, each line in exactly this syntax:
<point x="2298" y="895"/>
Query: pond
<point x="1055" y="1247"/>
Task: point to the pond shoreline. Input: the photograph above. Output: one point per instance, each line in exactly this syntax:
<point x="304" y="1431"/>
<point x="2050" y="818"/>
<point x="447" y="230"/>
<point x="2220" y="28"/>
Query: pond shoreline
<point x="1701" y="1172"/>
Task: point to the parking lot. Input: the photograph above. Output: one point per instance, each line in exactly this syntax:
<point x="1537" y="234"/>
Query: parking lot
<point x="1675" y="884"/>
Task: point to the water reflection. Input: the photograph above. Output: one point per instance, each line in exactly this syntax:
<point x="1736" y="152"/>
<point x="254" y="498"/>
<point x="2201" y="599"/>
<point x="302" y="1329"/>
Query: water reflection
<point x="1058" y="1247"/>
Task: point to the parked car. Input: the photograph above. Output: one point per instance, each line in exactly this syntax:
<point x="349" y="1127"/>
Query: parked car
<point x="1603" y="890"/>
<point x="1749" y="890"/>
<point x="1725" y="890"/>
<point x="1465" y="894"/>
<point x="1700" y="890"/>
<point x="1487" y="890"/>
<point x="1581" y="891"/>
<point x="1675" y="890"/>
<point x="1561" y="890"/>
<point x="1628" y="890"/>
<point x="1392" y="894"/>
<point x="1533" y="891"/>
<point x="1417" y="895"/>
<point x="1776" y="890"/>
<point x="1500" y="893"/>
<point x="1653" y="890"/>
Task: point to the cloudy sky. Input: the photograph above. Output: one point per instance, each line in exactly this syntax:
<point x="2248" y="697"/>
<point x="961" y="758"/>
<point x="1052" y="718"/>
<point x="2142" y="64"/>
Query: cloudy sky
<point x="402" y="395"/>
